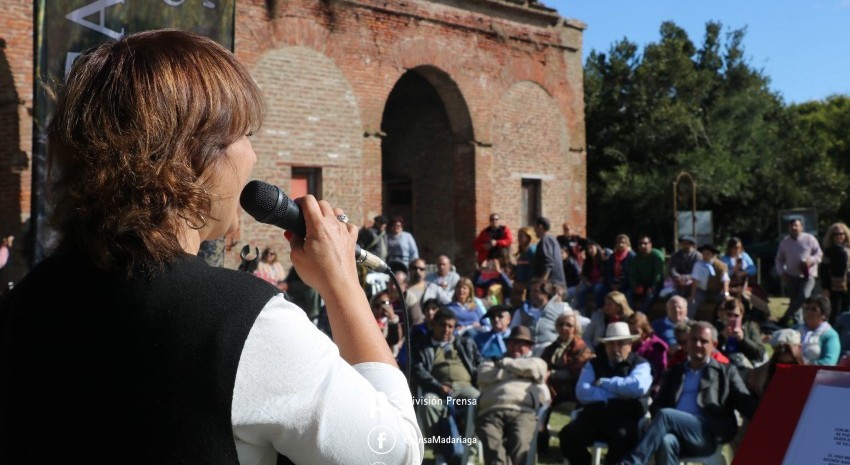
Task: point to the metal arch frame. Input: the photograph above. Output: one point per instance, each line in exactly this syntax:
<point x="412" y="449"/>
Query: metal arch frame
<point x="684" y="174"/>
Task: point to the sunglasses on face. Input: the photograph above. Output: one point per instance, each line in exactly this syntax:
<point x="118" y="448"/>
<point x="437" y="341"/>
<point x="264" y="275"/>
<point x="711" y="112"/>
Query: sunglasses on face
<point x="419" y="268"/>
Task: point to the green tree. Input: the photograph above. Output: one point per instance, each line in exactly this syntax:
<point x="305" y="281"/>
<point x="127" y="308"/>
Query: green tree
<point x="705" y="110"/>
<point x="824" y="126"/>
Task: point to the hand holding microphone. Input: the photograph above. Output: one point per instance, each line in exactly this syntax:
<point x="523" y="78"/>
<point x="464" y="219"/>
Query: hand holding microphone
<point x="268" y="204"/>
<point x="323" y="260"/>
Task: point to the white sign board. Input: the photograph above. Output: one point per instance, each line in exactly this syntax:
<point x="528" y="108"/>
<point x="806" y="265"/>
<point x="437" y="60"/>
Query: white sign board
<point x="822" y="436"/>
<point x="704" y="226"/>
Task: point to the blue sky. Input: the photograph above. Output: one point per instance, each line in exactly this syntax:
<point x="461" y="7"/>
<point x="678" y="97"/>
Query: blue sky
<point x="802" y="45"/>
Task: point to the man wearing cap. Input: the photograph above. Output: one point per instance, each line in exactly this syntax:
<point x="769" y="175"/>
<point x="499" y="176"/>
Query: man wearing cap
<point x="374" y="239"/>
<point x="491" y="344"/>
<point x="613" y="389"/>
<point x="682" y="263"/>
<point x="547" y="263"/>
<point x="512" y="390"/>
<point x="695" y="407"/>
<point x="710" y="281"/>
<point x="494" y="241"/>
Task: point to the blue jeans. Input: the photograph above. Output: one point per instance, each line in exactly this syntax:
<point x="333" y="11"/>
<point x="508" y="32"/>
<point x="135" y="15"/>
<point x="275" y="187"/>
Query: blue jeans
<point x="673" y="434"/>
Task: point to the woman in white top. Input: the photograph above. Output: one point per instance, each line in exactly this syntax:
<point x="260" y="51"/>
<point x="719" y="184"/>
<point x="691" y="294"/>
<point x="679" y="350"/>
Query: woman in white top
<point x="148" y="349"/>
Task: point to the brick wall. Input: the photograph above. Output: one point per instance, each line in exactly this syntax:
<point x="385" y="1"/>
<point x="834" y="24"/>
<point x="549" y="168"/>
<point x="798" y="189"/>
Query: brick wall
<point x="16" y="70"/>
<point x="328" y="68"/>
<point x="311" y="120"/>
<point x="482" y="61"/>
<point x="531" y="141"/>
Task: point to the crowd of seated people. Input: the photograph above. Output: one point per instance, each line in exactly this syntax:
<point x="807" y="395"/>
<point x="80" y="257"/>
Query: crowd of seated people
<point x="703" y="376"/>
<point x="531" y="328"/>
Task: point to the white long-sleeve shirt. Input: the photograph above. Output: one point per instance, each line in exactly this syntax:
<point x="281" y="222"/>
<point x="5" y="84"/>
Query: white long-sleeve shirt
<point x="295" y="395"/>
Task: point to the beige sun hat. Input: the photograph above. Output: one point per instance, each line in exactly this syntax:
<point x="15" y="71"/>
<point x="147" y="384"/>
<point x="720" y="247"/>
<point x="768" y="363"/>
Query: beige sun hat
<point x="618" y="331"/>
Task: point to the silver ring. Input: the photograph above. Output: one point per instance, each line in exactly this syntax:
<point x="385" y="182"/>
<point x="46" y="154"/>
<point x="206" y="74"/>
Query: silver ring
<point x="343" y="218"/>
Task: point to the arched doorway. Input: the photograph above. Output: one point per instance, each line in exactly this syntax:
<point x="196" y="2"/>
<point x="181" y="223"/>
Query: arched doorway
<point x="428" y="164"/>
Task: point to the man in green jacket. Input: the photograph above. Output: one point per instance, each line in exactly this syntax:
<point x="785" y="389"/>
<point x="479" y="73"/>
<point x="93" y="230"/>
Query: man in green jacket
<point x="646" y="275"/>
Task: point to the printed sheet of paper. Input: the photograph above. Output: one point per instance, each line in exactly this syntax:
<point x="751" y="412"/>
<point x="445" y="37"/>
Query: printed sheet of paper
<point x="822" y="436"/>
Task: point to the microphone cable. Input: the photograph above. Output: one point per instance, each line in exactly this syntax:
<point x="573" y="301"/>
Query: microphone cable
<point x="407" y="325"/>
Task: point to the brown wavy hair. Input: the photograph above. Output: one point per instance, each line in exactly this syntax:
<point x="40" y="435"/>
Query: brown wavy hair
<point x="137" y="124"/>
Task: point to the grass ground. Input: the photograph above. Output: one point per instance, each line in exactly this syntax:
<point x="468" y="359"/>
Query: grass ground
<point x="778" y="305"/>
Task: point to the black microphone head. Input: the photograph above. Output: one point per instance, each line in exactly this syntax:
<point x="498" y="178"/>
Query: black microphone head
<point x="259" y="199"/>
<point x="267" y="204"/>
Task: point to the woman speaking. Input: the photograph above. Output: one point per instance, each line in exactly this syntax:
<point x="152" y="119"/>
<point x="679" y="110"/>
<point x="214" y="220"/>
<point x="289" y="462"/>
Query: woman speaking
<point x="124" y="347"/>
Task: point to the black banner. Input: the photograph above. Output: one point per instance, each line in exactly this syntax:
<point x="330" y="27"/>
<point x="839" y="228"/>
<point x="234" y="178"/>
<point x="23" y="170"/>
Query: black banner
<point x="66" y="28"/>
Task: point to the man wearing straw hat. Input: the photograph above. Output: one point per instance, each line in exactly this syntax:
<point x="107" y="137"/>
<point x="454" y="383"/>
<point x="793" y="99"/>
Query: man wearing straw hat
<point x="613" y="389"/>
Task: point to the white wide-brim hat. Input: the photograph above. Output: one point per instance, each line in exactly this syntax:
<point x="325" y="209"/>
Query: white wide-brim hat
<point x="618" y="331"/>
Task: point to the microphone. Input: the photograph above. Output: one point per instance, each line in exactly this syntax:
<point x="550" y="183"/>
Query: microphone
<point x="268" y="204"/>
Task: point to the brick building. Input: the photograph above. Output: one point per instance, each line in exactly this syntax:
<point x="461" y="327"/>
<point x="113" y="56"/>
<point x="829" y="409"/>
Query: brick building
<point x="442" y="111"/>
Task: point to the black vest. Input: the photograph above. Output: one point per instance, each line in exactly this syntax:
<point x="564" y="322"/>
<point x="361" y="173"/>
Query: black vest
<point x="101" y="369"/>
<point x="602" y="369"/>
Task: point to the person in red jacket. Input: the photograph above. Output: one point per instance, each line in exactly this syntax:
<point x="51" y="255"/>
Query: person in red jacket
<point x="494" y="241"/>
